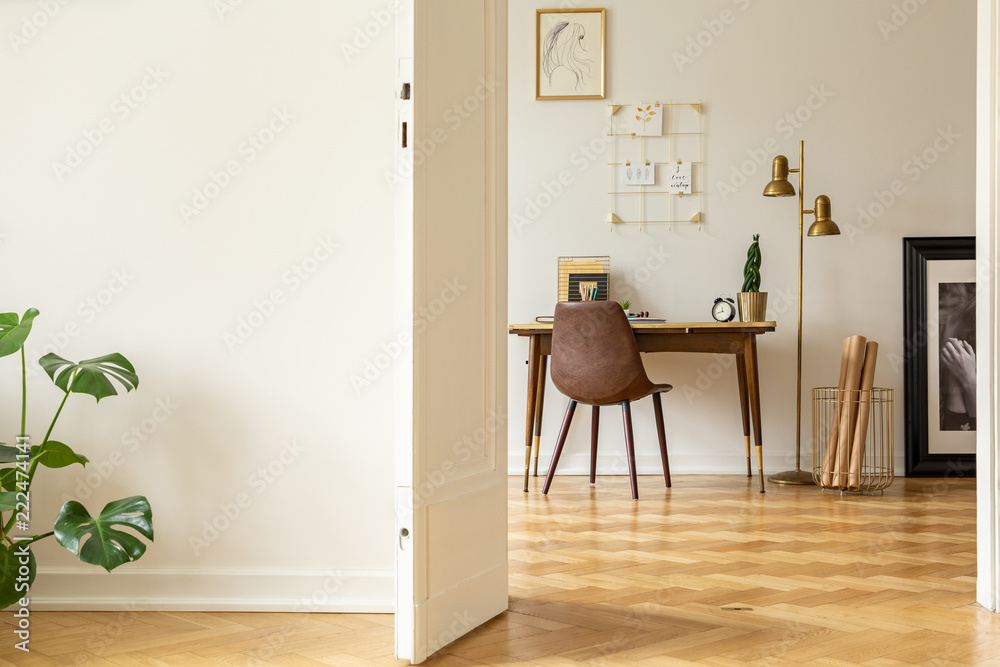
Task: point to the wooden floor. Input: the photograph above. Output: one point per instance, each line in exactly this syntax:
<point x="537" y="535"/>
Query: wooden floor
<point x="710" y="572"/>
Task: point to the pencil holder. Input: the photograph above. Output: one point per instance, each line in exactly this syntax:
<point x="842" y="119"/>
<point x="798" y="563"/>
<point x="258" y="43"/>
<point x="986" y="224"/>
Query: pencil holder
<point x="852" y="438"/>
<point x="588" y="291"/>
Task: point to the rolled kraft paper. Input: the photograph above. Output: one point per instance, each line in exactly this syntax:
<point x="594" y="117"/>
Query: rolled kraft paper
<point x="864" y="409"/>
<point x="849" y="410"/>
<point x="826" y="470"/>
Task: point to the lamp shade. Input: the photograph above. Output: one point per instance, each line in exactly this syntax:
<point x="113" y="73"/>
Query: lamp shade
<point x="824" y="225"/>
<point x="779" y="185"/>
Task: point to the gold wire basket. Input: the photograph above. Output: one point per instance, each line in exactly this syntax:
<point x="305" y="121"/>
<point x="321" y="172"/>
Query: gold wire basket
<point x="871" y="443"/>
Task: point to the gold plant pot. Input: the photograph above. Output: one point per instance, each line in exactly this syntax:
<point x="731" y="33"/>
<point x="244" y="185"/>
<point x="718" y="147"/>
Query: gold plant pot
<point x="752" y="306"/>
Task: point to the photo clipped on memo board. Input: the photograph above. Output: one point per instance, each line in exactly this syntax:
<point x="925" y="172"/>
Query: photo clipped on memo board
<point x="569" y="54"/>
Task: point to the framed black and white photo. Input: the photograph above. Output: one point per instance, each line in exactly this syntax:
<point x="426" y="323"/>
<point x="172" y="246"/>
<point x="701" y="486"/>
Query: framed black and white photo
<point x="939" y="328"/>
<point x="569" y="54"/>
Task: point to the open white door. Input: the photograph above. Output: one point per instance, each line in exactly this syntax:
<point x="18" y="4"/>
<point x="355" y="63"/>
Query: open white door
<point x="988" y="307"/>
<point x="451" y="309"/>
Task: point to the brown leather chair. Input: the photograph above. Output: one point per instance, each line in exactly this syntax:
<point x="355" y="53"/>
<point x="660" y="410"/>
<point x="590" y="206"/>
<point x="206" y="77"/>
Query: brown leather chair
<point x="595" y="361"/>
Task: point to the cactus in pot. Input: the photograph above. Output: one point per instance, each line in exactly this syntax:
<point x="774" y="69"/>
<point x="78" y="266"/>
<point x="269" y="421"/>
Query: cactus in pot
<point x="751" y="301"/>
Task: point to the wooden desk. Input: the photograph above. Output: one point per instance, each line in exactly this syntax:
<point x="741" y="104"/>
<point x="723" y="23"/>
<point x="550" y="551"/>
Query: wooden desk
<point x="738" y="338"/>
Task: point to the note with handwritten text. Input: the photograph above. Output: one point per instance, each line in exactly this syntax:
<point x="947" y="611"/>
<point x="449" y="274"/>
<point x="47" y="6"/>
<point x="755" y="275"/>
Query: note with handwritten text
<point x="679" y="178"/>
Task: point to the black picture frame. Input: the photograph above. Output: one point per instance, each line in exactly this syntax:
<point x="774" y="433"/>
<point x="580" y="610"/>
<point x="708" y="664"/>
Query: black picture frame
<point x="917" y="251"/>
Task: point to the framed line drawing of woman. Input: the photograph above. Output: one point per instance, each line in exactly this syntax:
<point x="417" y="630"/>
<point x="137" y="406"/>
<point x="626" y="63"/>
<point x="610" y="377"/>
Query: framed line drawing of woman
<point x="569" y="54"/>
<point x="939" y="322"/>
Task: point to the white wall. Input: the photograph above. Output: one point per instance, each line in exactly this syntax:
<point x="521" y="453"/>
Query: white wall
<point x="891" y="84"/>
<point x="322" y="527"/>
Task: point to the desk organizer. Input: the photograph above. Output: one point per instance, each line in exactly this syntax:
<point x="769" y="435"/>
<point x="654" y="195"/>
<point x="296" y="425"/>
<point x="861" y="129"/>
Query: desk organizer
<point x="574" y="270"/>
<point x="868" y="464"/>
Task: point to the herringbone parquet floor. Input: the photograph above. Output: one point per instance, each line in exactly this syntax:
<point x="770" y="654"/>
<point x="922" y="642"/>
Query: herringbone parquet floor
<point x="710" y="572"/>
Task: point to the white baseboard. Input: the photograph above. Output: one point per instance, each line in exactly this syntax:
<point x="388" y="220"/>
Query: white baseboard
<point x="578" y="463"/>
<point x="74" y="589"/>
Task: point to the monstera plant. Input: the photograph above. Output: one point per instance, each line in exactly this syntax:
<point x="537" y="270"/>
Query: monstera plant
<point x="98" y="540"/>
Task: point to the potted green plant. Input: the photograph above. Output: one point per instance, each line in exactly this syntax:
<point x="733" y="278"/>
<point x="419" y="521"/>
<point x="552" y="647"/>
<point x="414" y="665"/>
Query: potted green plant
<point x="751" y="301"/>
<point x="93" y="539"/>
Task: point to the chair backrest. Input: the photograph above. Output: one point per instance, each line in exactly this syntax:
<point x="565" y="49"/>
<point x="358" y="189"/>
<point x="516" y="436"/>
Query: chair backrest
<point x="595" y="358"/>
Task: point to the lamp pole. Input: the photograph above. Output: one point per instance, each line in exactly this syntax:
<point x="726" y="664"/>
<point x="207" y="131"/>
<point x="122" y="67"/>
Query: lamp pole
<point x="823" y="226"/>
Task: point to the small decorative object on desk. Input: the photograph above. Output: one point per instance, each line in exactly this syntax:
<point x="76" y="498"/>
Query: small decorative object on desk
<point x="752" y="302"/>
<point x="724" y="308"/>
<point x="573" y="270"/>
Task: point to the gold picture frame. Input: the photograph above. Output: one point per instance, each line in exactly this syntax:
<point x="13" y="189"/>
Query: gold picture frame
<point x="569" y="65"/>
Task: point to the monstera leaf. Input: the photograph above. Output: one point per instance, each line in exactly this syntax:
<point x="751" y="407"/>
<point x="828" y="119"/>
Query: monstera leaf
<point x="13" y="332"/>
<point x="91" y="376"/>
<point x="8" y="479"/>
<point x="54" y="454"/>
<point x="105" y="545"/>
<point x="51" y="454"/>
<point x="8" y="500"/>
<point x="12" y="590"/>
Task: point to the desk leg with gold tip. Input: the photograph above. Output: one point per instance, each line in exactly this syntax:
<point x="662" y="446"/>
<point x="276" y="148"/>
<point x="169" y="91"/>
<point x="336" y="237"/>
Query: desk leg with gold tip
<point x="741" y="378"/>
<point x="542" y="367"/>
<point x="534" y="358"/>
<point x="753" y="388"/>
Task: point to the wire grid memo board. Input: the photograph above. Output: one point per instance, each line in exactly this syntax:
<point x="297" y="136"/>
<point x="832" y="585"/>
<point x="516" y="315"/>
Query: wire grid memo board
<point x="677" y="148"/>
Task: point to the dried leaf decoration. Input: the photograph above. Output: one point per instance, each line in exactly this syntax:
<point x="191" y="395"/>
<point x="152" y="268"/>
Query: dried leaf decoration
<point x="638" y="118"/>
<point x="648" y="107"/>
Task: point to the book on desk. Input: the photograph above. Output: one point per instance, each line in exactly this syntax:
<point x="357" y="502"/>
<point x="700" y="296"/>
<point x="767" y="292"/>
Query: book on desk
<point x="548" y="319"/>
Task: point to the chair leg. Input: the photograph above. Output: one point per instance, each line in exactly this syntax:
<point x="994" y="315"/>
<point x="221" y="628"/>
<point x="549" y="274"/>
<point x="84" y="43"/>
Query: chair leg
<point x="563" y="431"/>
<point x="661" y="434"/>
<point x="630" y="448"/>
<point x="595" y="419"/>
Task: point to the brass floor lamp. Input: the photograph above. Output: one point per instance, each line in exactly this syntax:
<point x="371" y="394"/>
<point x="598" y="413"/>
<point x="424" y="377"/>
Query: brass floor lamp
<point x="823" y="226"/>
